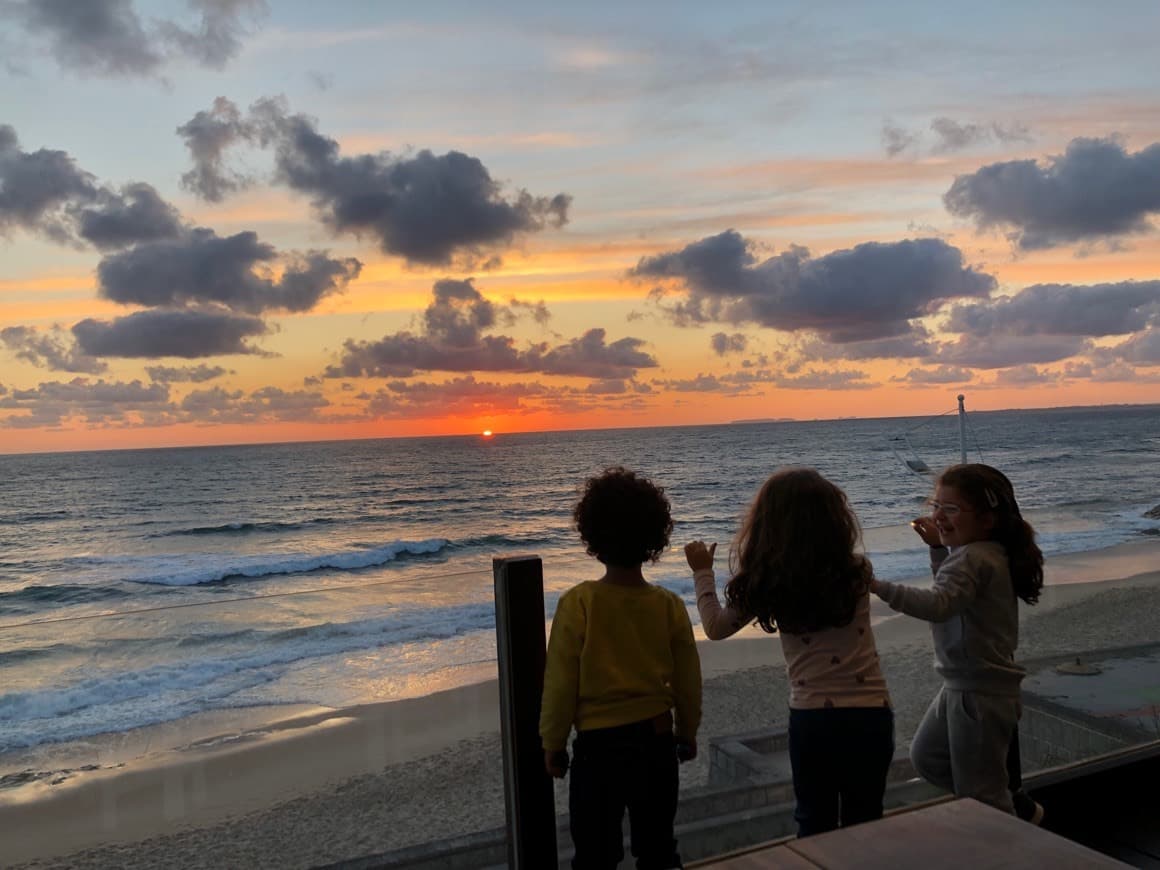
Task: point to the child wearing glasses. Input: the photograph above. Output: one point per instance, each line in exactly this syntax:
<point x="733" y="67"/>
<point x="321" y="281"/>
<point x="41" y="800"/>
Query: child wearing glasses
<point x="985" y="558"/>
<point x="796" y="571"/>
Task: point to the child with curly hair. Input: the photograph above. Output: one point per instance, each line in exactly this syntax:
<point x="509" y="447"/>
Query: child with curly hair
<point x="796" y="571"/>
<point x="985" y="559"/>
<point x="621" y="661"/>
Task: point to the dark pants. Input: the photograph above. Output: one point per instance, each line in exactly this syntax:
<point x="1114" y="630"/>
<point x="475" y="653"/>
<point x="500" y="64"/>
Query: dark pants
<point x="629" y="767"/>
<point x="840" y="757"/>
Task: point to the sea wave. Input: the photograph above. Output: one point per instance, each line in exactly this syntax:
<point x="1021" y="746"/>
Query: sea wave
<point x="247" y="528"/>
<point x="227" y="667"/>
<point x="33" y="599"/>
<point x="199" y="569"/>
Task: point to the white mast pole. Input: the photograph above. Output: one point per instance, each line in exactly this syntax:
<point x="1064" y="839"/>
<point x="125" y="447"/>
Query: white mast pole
<point x="962" y="431"/>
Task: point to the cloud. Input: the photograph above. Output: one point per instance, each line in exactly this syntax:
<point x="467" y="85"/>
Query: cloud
<point x="999" y="350"/>
<point x="916" y="344"/>
<point x="267" y="404"/>
<point x="155" y="334"/>
<point x="703" y="383"/>
<point x="723" y="344"/>
<point x="1024" y="375"/>
<point x="45" y="192"/>
<point x="956" y="136"/>
<point x="184" y="374"/>
<point x="591" y="357"/>
<point x="951" y="135"/>
<point x="428" y="209"/>
<point x="943" y="374"/>
<point x="51" y="351"/>
<point x="201" y="267"/>
<point x="897" y="139"/>
<point x="1063" y="309"/>
<point x="453" y="339"/>
<point x="97" y="402"/>
<point x="207" y="136"/>
<point x="1094" y="191"/>
<point x="137" y="214"/>
<point x="109" y="37"/>
<point x="1142" y="349"/>
<point x="868" y="292"/>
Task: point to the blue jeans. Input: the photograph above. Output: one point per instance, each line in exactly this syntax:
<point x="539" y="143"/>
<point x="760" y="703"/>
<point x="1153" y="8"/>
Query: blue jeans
<point x="840" y="758"/>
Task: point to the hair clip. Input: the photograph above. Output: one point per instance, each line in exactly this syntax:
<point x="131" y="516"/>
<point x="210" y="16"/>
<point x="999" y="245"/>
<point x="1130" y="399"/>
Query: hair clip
<point x="992" y="499"/>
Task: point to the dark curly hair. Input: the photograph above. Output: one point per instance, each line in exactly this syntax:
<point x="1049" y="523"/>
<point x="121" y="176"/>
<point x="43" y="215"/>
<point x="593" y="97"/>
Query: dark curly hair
<point x="623" y="518"/>
<point x="794" y="565"/>
<point x="987" y="490"/>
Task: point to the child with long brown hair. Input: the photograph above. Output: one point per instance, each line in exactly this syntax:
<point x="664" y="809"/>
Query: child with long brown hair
<point x="796" y="571"/>
<point x="986" y="559"/>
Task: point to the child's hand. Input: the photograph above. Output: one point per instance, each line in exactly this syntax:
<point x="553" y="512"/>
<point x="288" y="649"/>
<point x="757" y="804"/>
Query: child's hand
<point x="698" y="555"/>
<point x="556" y="762"/>
<point x="927" y="530"/>
<point x="686" y="749"/>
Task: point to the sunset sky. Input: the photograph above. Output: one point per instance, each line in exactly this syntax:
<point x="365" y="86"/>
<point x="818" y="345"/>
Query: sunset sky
<point x="227" y="221"/>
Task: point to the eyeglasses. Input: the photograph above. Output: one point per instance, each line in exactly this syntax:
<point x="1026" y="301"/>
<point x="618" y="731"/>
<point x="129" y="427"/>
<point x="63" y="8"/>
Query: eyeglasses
<point x="949" y="510"/>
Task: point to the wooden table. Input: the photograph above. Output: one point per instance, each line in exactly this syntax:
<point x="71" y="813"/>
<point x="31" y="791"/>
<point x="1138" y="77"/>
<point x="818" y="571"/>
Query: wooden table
<point x="944" y="836"/>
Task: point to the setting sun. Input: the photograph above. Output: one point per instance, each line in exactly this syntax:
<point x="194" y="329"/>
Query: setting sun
<point x="486" y="433"/>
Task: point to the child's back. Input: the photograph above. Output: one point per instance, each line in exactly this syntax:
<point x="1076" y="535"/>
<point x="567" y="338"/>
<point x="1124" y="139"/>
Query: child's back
<point x="621" y="661"/>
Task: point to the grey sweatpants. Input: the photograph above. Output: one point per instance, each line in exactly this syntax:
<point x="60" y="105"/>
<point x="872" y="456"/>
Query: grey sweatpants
<point x="961" y="744"/>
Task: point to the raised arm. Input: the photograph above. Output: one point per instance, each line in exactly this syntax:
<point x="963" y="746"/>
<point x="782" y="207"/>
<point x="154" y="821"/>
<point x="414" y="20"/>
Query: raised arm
<point x="718" y="621"/>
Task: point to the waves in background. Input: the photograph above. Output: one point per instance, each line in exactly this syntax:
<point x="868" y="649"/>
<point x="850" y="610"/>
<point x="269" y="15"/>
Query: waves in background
<point x="347" y="572"/>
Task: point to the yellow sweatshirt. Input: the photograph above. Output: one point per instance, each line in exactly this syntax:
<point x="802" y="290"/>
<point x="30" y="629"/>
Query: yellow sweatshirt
<point x="619" y="654"/>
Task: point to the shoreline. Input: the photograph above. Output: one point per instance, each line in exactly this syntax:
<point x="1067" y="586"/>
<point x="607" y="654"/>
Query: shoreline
<point x="412" y="760"/>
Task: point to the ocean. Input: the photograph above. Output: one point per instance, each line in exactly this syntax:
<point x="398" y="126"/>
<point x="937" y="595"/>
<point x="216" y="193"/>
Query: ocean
<point x="142" y="587"/>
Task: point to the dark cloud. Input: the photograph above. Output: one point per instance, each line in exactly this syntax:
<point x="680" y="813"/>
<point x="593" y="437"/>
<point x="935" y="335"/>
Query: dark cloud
<point x="202" y="267"/>
<point x="453" y="339"/>
<point x="36" y="188"/>
<point x="429" y="209"/>
<point x="207" y="135"/>
<point x="52" y="350"/>
<point x="184" y="374"/>
<point x="185" y="333"/>
<point x="1024" y="375"/>
<point x="703" y="383"/>
<point x="109" y="37"/>
<point x="897" y="139"/>
<point x="955" y="136"/>
<point x="723" y="344"/>
<point x="940" y="375"/>
<point x="1063" y="309"/>
<point x="217" y="37"/>
<point x="916" y="344"/>
<point x="267" y="404"/>
<point x="97" y="402"/>
<point x="997" y="350"/>
<point x="591" y="357"/>
<point x="463" y="395"/>
<point x="1142" y="349"/>
<point x="137" y="214"/>
<point x="45" y="192"/>
<point x="538" y="311"/>
<point x="1094" y="191"/>
<point x="868" y="292"/>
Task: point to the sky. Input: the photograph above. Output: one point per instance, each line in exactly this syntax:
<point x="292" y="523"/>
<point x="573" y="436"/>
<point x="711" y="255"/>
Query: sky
<point x="227" y="221"/>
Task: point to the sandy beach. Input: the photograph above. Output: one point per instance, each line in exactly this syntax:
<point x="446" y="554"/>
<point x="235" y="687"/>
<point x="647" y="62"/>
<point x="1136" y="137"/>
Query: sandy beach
<point x="324" y="785"/>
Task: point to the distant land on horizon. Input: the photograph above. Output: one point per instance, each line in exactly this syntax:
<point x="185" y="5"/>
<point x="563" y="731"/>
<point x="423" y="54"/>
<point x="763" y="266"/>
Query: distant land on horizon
<point x="1052" y="409"/>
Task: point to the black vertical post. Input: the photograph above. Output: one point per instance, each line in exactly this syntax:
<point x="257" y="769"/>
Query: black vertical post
<point x="528" y="794"/>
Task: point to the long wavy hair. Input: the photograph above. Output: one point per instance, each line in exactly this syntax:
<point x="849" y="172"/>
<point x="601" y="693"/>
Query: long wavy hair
<point x="988" y="491"/>
<point x="794" y="562"/>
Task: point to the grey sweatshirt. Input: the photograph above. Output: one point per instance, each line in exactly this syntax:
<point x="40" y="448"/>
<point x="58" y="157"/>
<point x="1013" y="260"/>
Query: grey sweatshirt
<point x="974" y="617"/>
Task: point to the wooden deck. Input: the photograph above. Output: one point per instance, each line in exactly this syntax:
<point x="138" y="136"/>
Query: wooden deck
<point x="948" y="835"/>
